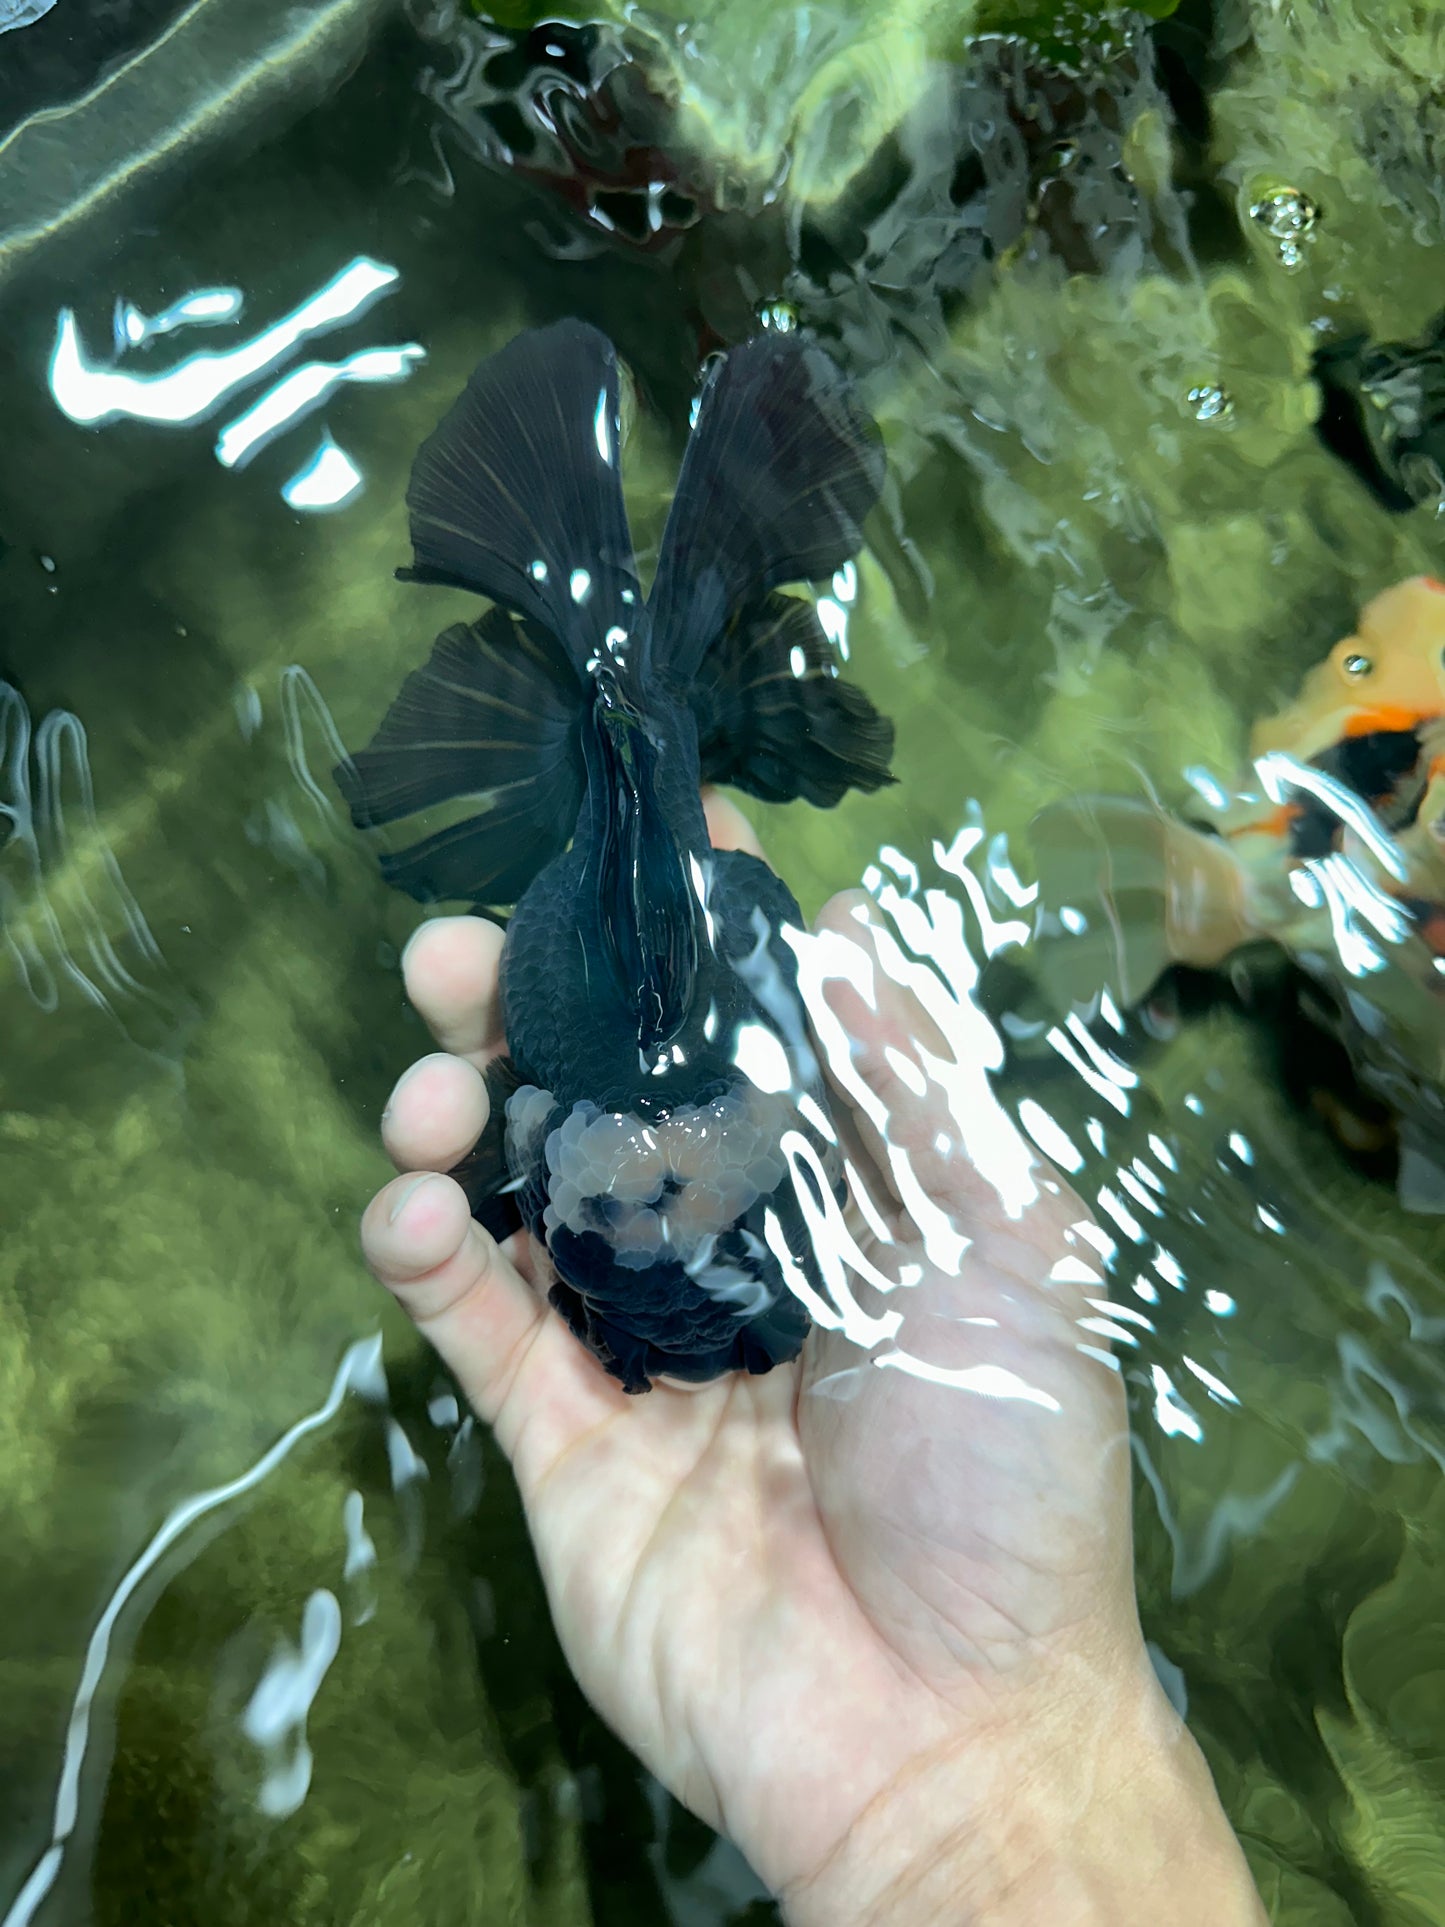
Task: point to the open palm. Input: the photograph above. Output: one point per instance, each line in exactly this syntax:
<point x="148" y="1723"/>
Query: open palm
<point x="797" y="1594"/>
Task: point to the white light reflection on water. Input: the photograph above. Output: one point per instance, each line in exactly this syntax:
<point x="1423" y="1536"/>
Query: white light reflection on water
<point x="934" y="963"/>
<point x="933" y="944"/>
<point x="1146" y="1199"/>
<point x="91" y="393"/>
<point x="1234" y="1517"/>
<point x="1097" y="1080"/>
<point x="304" y="707"/>
<point x="360" y="1371"/>
<point x="1163" y="1153"/>
<point x="305" y="388"/>
<point x="360" y="1558"/>
<point x="833" y="610"/>
<point x="1349" y="896"/>
<point x="15" y="14"/>
<point x="67" y="916"/>
<point x="275" y="1719"/>
<point x="1169" y="1268"/>
<point x="1050" y="1136"/>
<point x="1172" y="1415"/>
<point x="1114" y="1206"/>
<point x="206" y="308"/>
<point x="1210" y="1381"/>
<point x="1000" y="876"/>
<point x="987" y="1381"/>
<point x="761" y="1057"/>
<point x="328" y="481"/>
<point x="993" y="934"/>
<point x="1283" y="776"/>
<point x="1207" y="787"/>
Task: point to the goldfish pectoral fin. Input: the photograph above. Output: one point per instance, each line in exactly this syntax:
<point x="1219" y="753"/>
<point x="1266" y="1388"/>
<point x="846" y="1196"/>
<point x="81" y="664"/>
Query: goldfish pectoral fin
<point x="492" y="718"/>
<point x="776" y="719"/>
<point x="484" y="1173"/>
<point x="518" y="489"/>
<point x="782" y="468"/>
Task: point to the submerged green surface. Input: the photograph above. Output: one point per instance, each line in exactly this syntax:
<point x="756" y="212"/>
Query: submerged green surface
<point x="1090" y="581"/>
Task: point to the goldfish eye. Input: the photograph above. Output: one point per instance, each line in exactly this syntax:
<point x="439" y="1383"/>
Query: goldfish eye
<point x="1357" y="666"/>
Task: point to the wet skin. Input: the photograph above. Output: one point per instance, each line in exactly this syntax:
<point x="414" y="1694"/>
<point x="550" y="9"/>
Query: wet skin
<point x="882" y="1642"/>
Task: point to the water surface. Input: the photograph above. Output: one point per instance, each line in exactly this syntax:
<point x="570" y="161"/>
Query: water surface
<point x="324" y="1691"/>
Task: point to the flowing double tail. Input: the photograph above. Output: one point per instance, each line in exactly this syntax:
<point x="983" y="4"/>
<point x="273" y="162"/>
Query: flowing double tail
<point x="517" y="496"/>
<point x="1124" y="892"/>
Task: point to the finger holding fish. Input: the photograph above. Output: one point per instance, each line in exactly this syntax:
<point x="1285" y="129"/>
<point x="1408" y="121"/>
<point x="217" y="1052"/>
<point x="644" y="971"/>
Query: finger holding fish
<point x="905" y="1054"/>
<point x="899" y="1112"/>
<point x="435" y="1114"/>
<point x="439" y="1107"/>
<point x="727" y="827"/>
<point x="999" y="1449"/>
<point x="634" y="1115"/>
<point x="449" y="969"/>
<point x="512" y="1355"/>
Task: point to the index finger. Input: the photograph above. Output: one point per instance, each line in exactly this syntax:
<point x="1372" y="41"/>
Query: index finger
<point x="450" y="970"/>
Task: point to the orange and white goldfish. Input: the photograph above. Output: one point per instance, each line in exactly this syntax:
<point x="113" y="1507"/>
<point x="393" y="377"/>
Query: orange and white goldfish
<point x="1341" y="864"/>
<point x="1371" y="717"/>
<point x="1354" y="767"/>
<point x="1388" y="678"/>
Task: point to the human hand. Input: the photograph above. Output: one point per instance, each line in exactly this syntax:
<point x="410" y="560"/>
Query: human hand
<point x="878" y="1627"/>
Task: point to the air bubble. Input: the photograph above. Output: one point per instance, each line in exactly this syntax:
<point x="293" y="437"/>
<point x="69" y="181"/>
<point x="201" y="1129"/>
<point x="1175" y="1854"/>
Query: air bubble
<point x="1210" y="402"/>
<point x="778" y="317"/>
<point x="1289" y="217"/>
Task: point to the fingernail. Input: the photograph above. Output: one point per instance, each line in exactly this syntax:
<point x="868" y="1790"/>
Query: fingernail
<point x="406" y="1194"/>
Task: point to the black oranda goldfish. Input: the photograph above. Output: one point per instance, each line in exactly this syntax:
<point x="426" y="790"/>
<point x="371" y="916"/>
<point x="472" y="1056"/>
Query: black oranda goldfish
<point x="661" y="1124"/>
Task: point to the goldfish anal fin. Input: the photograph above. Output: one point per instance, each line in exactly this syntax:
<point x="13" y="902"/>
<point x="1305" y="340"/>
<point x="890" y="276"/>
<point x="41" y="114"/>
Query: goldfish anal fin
<point x="484" y="1173"/>
<point x="517" y="494"/>
<point x="782" y="467"/>
<point x="492" y="717"/>
<point x="777" y="720"/>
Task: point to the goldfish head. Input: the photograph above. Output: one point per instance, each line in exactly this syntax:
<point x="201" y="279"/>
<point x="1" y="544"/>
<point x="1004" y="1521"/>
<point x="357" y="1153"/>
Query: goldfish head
<point x="1389" y="675"/>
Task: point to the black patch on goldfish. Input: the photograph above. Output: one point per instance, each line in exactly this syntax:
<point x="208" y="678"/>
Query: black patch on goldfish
<point x="1384" y="767"/>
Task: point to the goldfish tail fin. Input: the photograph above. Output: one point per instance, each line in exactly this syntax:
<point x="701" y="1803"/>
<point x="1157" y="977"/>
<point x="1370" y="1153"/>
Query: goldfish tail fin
<point x="776" y="719"/>
<point x="517" y="494"/>
<point x="781" y="469"/>
<point x="1125" y="891"/>
<point x="492" y="723"/>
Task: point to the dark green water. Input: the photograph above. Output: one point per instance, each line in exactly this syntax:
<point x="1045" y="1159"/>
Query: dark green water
<point x="1089" y="582"/>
